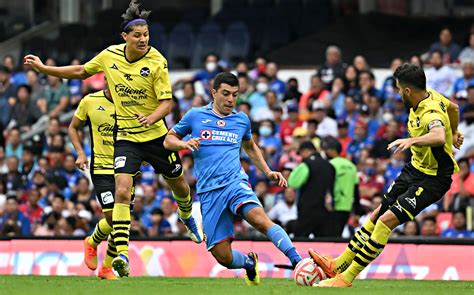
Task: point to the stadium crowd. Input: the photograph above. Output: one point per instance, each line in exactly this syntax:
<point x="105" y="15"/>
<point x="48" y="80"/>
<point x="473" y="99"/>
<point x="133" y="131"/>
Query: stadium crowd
<point x="42" y="193"/>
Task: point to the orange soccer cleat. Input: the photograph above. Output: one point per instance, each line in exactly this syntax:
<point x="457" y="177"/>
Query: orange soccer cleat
<point x="106" y="273"/>
<point x="90" y="255"/>
<point x="336" y="282"/>
<point x="327" y="263"/>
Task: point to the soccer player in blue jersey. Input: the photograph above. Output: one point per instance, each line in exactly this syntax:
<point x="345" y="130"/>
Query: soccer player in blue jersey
<point x="217" y="132"/>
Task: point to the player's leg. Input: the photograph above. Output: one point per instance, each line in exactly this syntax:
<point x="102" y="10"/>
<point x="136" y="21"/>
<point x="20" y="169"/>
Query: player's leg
<point x="105" y="272"/>
<point x="128" y="158"/>
<point x="421" y="193"/>
<point x="255" y="215"/>
<point x="332" y="266"/>
<point x="104" y="190"/>
<point x="169" y="165"/>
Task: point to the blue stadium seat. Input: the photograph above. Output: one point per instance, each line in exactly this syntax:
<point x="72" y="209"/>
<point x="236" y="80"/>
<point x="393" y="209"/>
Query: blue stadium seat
<point x="180" y="46"/>
<point x="236" y="42"/>
<point x="158" y="37"/>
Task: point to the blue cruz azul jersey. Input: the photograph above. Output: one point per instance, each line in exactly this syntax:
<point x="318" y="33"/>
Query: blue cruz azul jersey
<point x="217" y="162"/>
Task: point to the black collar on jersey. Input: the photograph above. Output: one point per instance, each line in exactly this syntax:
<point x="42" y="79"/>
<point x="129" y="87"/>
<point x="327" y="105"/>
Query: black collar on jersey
<point x="209" y="107"/>
<point x="131" y="62"/>
<point x="416" y="107"/>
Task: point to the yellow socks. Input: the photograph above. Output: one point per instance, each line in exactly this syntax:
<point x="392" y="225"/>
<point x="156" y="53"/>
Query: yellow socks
<point x="101" y="232"/>
<point x="121" y="227"/>
<point x="356" y="243"/>
<point x="369" y="252"/>
<point x="185" y="205"/>
<point x="111" y="253"/>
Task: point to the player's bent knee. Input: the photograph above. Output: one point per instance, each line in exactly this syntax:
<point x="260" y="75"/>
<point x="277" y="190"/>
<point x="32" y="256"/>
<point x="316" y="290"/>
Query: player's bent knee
<point x="390" y="219"/>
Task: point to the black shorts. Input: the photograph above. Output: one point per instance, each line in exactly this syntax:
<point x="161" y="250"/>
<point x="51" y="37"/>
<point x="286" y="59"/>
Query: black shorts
<point x="129" y="156"/>
<point x="413" y="191"/>
<point x="104" y="186"/>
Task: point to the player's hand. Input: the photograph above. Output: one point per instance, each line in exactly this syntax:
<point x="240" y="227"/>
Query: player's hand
<point x="192" y="144"/>
<point x="278" y="177"/>
<point x="144" y="120"/>
<point x="33" y="61"/>
<point x="458" y="139"/>
<point x="82" y="162"/>
<point x="401" y="145"/>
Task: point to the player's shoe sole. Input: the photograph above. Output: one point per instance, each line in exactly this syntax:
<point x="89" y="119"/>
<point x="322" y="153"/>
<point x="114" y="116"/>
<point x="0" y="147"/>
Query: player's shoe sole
<point x="326" y="263"/>
<point x="106" y="273"/>
<point x="90" y="255"/>
<point x="252" y="277"/>
<point x="195" y="232"/>
<point x="336" y="282"/>
<point x="121" y="266"/>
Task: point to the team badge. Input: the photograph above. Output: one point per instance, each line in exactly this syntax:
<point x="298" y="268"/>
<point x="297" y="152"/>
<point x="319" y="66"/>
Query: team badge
<point x="145" y="72"/>
<point x="220" y="123"/>
<point x="206" y="134"/>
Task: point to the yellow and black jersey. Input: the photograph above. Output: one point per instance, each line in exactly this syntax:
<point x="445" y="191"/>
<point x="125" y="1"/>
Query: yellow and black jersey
<point x="137" y="88"/>
<point x="432" y="113"/>
<point x="99" y="112"/>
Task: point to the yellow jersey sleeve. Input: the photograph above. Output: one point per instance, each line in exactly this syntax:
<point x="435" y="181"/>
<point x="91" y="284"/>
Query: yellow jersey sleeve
<point x="162" y="84"/>
<point x="433" y="119"/>
<point x="81" y="111"/>
<point x="95" y="65"/>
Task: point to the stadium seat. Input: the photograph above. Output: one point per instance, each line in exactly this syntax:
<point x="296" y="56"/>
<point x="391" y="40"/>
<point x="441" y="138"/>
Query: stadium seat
<point x="180" y="46"/>
<point x="208" y="41"/>
<point x="276" y="34"/>
<point x="236" y="42"/>
<point x="158" y="37"/>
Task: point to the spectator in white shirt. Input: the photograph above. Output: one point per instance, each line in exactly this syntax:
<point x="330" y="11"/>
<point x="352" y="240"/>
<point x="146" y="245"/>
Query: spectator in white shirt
<point x="285" y="210"/>
<point x="440" y="77"/>
<point x="326" y="126"/>
<point x="467" y="54"/>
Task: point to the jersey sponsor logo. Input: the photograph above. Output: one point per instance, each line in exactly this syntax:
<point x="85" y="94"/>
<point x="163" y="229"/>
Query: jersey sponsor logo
<point x="120" y="162"/>
<point x="206" y="134"/>
<point x="225" y="136"/>
<point x="128" y="77"/>
<point x="434" y="123"/>
<point x="114" y="67"/>
<point x="221" y="123"/>
<point x="125" y="91"/>
<point x="107" y="197"/>
<point x="108" y="142"/>
<point x="145" y="72"/>
<point x="105" y="129"/>
<point x="100" y="108"/>
<point x="132" y="103"/>
<point x="176" y="168"/>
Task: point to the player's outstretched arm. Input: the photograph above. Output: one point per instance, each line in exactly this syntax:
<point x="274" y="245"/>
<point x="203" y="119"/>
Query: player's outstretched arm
<point x="73" y="131"/>
<point x="435" y="137"/>
<point x="67" y="72"/>
<point x="252" y="149"/>
<point x="174" y="142"/>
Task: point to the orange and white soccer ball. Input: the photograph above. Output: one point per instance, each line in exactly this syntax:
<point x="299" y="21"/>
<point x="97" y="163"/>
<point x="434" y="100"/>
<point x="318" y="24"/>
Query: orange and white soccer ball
<point x="307" y="273"/>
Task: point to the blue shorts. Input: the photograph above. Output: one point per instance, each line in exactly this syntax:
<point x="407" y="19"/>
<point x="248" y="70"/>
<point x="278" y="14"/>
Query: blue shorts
<point x="218" y="208"/>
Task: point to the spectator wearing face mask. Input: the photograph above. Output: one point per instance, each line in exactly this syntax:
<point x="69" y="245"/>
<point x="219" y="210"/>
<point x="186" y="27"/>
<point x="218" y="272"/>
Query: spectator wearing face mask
<point x="268" y="141"/>
<point x="260" y="68"/>
<point x="258" y="100"/>
<point x="204" y="75"/>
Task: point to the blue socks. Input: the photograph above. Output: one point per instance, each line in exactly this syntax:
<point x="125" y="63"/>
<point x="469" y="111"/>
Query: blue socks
<point x="240" y="260"/>
<point x="280" y="239"/>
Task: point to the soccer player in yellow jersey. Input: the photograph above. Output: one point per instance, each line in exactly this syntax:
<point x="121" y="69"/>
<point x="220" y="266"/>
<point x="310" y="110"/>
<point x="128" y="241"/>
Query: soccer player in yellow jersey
<point x="98" y="110"/>
<point x="137" y="75"/>
<point x="432" y="125"/>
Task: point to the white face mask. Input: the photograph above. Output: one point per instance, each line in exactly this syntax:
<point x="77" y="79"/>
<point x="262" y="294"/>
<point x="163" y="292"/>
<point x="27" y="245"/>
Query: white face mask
<point x="387" y="117"/>
<point x="262" y="87"/>
<point x="211" y="66"/>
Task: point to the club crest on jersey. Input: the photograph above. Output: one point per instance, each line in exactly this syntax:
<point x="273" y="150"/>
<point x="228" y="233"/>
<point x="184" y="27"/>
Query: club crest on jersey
<point x="206" y="134"/>
<point x="145" y="72"/>
<point x="220" y="123"/>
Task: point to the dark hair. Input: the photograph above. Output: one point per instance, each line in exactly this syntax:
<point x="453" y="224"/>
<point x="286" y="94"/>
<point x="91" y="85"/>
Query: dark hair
<point x="466" y="160"/>
<point x="371" y="75"/>
<point x="243" y="75"/>
<point x="4" y="69"/>
<point x="331" y="143"/>
<point x="26" y="86"/>
<point x="412" y="75"/>
<point x="225" y="78"/>
<point x="59" y="196"/>
<point x="134" y="12"/>
<point x="436" y="51"/>
<point x="428" y="218"/>
<point x="292" y="79"/>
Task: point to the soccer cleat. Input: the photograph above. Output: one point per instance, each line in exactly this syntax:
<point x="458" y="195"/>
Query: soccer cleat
<point x="336" y="282"/>
<point x="327" y="263"/>
<point x="194" y="230"/>
<point x="106" y="273"/>
<point x="121" y="265"/>
<point x="90" y="255"/>
<point x="252" y="276"/>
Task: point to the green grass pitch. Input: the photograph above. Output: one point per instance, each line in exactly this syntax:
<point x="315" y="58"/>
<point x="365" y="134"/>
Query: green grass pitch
<point x="51" y="285"/>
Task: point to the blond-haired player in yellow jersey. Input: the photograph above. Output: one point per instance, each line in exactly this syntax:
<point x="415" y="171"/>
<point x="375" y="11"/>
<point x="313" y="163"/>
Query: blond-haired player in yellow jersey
<point x="432" y="125"/>
<point x="137" y="75"/>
